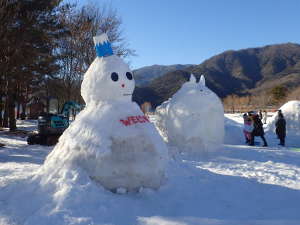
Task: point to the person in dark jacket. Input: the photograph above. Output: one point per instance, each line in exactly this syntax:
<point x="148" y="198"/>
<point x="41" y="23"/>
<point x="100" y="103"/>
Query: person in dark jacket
<point x="260" y="114"/>
<point x="280" y="125"/>
<point x="258" y="130"/>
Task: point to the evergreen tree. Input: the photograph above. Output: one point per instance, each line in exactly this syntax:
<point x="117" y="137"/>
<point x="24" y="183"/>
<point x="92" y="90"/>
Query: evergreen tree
<point x="29" y="33"/>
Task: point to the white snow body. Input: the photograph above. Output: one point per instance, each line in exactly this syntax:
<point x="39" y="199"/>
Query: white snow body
<point x="111" y="140"/>
<point x="193" y="119"/>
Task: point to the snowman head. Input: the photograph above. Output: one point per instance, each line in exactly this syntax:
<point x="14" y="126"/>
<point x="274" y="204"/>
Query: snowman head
<point x="202" y="87"/>
<point x="108" y="77"/>
<point x="193" y="95"/>
<point x="192" y="86"/>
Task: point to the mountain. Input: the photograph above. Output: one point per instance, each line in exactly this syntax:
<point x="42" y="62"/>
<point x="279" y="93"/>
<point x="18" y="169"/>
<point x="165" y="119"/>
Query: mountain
<point x="252" y="70"/>
<point x="246" y="71"/>
<point x="143" y="76"/>
<point x="161" y="88"/>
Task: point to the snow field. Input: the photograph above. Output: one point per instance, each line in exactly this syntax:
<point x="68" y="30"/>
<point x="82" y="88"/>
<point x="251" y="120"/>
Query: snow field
<point x="239" y="185"/>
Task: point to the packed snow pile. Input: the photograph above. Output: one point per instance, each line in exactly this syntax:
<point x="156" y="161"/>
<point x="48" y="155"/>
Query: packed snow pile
<point x="160" y="117"/>
<point x="291" y="113"/>
<point x="193" y="119"/>
<point x="233" y="131"/>
<point x="111" y="141"/>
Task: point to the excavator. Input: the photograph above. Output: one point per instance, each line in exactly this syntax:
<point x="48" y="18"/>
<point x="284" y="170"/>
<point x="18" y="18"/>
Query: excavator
<point x="51" y="126"/>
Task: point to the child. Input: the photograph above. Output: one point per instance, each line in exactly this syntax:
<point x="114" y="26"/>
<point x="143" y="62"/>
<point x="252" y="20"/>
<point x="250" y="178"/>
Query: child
<point x="248" y="128"/>
<point x="265" y="117"/>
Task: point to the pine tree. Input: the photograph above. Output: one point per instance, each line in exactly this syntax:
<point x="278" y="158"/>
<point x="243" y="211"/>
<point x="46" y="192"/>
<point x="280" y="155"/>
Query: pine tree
<point x="29" y="33"/>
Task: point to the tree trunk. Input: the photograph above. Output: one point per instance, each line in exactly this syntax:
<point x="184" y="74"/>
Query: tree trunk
<point x="11" y="112"/>
<point x="48" y="104"/>
<point x="23" y="114"/>
<point x="1" y="110"/>
<point x="5" y="116"/>
<point x="11" y="99"/>
<point x="18" y="110"/>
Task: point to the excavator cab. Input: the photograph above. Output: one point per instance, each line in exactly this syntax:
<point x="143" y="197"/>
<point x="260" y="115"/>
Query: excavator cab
<point x="51" y="126"/>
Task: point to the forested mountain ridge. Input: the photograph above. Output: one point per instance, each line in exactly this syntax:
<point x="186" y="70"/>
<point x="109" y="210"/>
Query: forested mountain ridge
<point x="145" y="75"/>
<point x="251" y="70"/>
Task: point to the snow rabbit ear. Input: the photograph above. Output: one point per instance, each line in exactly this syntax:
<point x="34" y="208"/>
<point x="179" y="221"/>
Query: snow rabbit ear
<point x="202" y="80"/>
<point x="193" y="79"/>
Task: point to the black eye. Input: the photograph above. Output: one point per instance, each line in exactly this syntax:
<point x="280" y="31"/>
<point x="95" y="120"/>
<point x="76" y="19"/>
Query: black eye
<point x="114" y="76"/>
<point x="129" y="75"/>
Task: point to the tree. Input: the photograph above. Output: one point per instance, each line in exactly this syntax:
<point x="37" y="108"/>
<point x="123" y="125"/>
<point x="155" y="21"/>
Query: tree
<point x="45" y="49"/>
<point x="278" y="94"/>
<point x="77" y="49"/>
<point x="230" y="103"/>
<point x="28" y="34"/>
<point x="294" y="95"/>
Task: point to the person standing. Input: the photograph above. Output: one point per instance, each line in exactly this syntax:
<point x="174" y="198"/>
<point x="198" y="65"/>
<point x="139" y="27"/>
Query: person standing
<point x="280" y="125"/>
<point x="248" y="128"/>
<point x="258" y="130"/>
<point x="260" y="115"/>
<point x="265" y="116"/>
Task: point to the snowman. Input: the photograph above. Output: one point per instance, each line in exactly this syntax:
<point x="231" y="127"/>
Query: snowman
<point x="193" y="119"/>
<point x="111" y="140"/>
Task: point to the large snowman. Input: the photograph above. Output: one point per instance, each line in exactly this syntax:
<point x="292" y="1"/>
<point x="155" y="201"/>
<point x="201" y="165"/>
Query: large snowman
<point x="111" y="140"/>
<point x="193" y="119"/>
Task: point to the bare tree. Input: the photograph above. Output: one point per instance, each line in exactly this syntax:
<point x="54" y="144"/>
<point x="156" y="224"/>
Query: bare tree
<point x="294" y="95"/>
<point x="230" y="103"/>
<point x="77" y="49"/>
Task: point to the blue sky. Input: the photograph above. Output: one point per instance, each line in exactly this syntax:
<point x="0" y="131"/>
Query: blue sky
<point x="190" y="31"/>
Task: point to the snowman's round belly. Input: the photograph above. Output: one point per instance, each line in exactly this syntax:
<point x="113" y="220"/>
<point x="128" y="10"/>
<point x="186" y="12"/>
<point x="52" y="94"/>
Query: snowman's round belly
<point x="134" y="162"/>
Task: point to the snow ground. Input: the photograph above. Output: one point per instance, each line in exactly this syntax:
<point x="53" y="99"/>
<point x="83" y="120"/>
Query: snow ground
<point x="27" y="125"/>
<point x="240" y="185"/>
